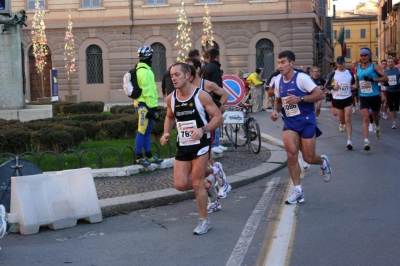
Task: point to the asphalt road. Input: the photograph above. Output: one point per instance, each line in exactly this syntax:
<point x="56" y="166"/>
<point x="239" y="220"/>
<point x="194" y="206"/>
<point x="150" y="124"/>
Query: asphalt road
<point x="352" y="220"/>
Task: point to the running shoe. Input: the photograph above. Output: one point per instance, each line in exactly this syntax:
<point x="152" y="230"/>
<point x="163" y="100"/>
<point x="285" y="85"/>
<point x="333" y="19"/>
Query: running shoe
<point x="224" y="190"/>
<point x="296" y="196"/>
<point x="371" y="127"/>
<point x="155" y="160"/>
<point x="341" y="128"/>
<point x="3" y="224"/>
<point x="306" y="165"/>
<point x="203" y="226"/>
<point x="143" y="162"/>
<point x="220" y="174"/>
<point x="349" y="145"/>
<point x="394" y="125"/>
<point x="222" y="148"/>
<point x="366" y="146"/>
<point x="384" y="116"/>
<point x="216" y="150"/>
<point x="353" y="109"/>
<point x="212" y="191"/>
<point x="327" y="171"/>
<point x="378" y="133"/>
<point x="213" y="206"/>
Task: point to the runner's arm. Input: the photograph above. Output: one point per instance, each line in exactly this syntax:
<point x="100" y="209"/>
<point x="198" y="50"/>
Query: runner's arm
<point x="383" y="77"/>
<point x="215" y="89"/>
<point x="277" y="108"/>
<point x="169" y="121"/>
<point x="213" y="111"/>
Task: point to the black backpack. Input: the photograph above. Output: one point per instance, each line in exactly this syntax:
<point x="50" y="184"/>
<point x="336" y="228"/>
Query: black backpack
<point x="131" y="87"/>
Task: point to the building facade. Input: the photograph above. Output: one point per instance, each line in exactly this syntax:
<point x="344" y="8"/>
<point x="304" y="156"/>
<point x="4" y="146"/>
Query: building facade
<point x="108" y="33"/>
<point x="388" y="21"/>
<point x="361" y="30"/>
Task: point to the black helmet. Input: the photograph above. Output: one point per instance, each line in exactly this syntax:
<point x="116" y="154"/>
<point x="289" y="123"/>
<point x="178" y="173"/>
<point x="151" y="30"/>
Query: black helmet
<point x="145" y="52"/>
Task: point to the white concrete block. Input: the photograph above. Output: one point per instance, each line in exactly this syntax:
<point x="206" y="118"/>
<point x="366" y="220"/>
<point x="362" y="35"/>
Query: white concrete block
<point x="55" y="200"/>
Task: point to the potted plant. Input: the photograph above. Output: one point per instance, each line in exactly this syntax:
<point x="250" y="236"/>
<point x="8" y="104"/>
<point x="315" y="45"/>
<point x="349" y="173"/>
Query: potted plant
<point x="69" y="58"/>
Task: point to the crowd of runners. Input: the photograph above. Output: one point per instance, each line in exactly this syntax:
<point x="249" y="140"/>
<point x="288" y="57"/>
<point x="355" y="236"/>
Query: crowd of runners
<point x="196" y="107"/>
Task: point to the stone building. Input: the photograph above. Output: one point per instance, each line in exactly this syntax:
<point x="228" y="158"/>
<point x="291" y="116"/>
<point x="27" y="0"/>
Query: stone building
<point x="108" y="33"/>
<point x="388" y="22"/>
<point x="361" y="30"/>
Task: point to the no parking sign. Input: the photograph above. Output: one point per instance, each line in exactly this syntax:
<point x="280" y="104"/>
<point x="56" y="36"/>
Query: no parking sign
<point x="236" y="89"/>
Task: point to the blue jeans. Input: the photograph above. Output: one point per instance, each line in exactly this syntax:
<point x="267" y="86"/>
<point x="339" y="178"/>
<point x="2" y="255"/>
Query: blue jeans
<point x="216" y="138"/>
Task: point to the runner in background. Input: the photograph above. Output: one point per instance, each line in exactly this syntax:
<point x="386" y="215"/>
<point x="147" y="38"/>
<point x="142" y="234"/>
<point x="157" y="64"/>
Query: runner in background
<point x="356" y="99"/>
<point x="393" y="90"/>
<point x="384" y="105"/>
<point x="367" y="78"/>
<point x="320" y="82"/>
<point x="342" y="91"/>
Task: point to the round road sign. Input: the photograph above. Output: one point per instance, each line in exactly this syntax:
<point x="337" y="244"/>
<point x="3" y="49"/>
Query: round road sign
<point x="236" y="89"/>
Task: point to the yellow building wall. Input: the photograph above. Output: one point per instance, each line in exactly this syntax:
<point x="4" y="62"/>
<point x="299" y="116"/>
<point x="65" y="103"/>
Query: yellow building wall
<point x="355" y="42"/>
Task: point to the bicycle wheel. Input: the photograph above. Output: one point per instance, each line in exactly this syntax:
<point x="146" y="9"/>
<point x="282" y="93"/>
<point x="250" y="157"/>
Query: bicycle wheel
<point x="235" y="134"/>
<point x="254" y="136"/>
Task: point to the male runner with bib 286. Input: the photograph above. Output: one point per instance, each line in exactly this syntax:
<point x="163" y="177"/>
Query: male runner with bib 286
<point x="297" y="93"/>
<point x="196" y="115"/>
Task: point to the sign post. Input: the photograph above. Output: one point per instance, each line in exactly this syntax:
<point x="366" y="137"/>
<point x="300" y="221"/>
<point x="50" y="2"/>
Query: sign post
<point x="54" y="85"/>
<point x="236" y="89"/>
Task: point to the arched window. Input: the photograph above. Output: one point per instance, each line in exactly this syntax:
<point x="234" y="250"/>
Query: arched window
<point x="265" y="57"/>
<point x="159" y="61"/>
<point x="94" y="64"/>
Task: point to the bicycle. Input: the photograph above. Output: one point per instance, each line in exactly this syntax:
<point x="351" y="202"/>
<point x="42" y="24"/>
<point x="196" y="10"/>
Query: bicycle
<point x="247" y="133"/>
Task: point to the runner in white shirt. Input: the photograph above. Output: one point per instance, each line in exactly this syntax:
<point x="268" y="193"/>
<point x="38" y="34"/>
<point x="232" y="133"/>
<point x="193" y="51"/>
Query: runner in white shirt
<point x="342" y="100"/>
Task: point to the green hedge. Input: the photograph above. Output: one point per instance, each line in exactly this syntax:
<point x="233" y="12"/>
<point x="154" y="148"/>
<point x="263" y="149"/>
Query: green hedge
<point x="63" y="132"/>
<point x="65" y="108"/>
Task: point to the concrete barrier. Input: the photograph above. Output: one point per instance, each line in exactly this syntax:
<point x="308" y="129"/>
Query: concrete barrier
<point x="57" y="200"/>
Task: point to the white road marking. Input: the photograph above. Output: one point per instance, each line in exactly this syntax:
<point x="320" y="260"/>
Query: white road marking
<point x="250" y="228"/>
<point x="282" y="239"/>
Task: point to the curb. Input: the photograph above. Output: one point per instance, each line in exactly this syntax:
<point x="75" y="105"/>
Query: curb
<point x="129" y="203"/>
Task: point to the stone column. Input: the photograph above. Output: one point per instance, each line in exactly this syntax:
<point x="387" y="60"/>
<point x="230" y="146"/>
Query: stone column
<point x="11" y="69"/>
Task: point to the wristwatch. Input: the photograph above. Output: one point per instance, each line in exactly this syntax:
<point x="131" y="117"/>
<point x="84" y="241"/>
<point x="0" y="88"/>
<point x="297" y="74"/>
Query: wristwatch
<point x="204" y="130"/>
<point x="302" y="98"/>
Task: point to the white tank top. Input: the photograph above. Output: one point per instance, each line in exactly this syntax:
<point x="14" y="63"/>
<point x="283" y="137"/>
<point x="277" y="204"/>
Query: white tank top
<point x="343" y="79"/>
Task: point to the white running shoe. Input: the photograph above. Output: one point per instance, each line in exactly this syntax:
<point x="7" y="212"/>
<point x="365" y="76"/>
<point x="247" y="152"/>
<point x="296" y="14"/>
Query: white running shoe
<point x="3" y="224"/>
<point x="306" y="165"/>
<point x="371" y="127"/>
<point x="213" y="206"/>
<point x="224" y="190"/>
<point x="349" y="145"/>
<point x="296" y="196"/>
<point x="222" y="148"/>
<point x="212" y="191"/>
<point x="220" y="174"/>
<point x="353" y="109"/>
<point x="384" y="116"/>
<point x="203" y="226"/>
<point x="327" y="171"/>
<point x="216" y="150"/>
